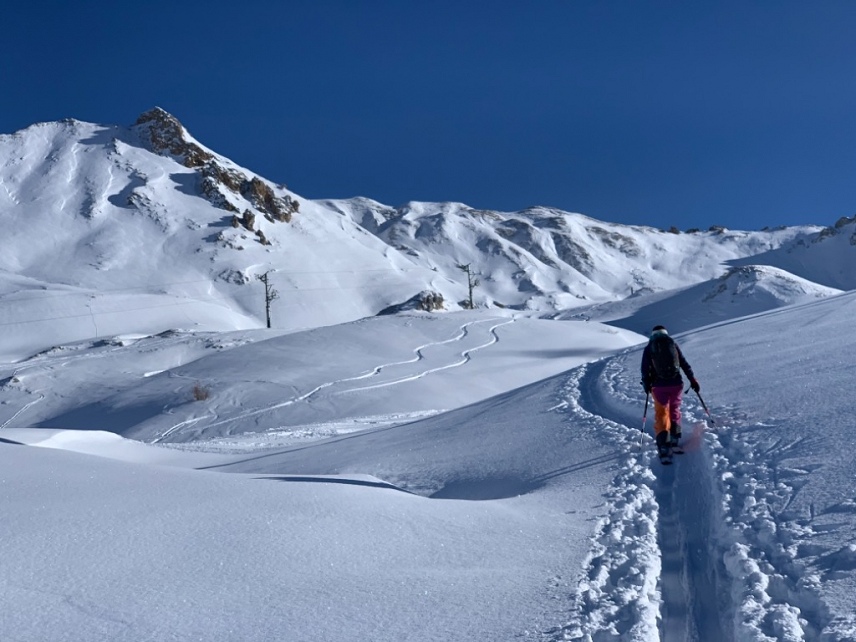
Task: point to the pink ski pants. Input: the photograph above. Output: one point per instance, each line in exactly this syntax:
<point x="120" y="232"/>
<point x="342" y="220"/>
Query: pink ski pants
<point x="667" y="406"/>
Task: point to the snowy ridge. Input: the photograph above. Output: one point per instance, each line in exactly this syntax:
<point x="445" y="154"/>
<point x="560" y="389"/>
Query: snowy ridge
<point x="757" y="283"/>
<point x="101" y="222"/>
<point x="548" y="259"/>
<point x="748" y="289"/>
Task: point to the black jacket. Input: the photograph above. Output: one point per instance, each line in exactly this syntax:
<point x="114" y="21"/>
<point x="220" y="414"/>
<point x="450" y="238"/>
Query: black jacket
<point x="650" y="377"/>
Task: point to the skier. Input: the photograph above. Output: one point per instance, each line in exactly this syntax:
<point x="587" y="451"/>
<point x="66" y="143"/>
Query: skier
<point x="662" y="362"/>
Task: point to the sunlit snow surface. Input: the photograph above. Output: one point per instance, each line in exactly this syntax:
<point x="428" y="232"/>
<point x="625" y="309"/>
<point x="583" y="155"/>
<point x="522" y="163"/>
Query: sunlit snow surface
<point x="536" y="513"/>
<point x="169" y="471"/>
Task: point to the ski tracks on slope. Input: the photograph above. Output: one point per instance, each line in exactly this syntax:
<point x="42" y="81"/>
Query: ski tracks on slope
<point x="21" y="410"/>
<point x="465" y="357"/>
<point x="772" y="551"/>
<point x="711" y="548"/>
<point x="650" y="574"/>
<point x="618" y="594"/>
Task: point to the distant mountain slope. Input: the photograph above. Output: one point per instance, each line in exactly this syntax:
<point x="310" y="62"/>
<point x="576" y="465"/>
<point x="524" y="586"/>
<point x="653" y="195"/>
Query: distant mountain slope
<point x="827" y="257"/>
<point x="546" y="259"/>
<point x="101" y="221"/>
<point x="741" y="291"/>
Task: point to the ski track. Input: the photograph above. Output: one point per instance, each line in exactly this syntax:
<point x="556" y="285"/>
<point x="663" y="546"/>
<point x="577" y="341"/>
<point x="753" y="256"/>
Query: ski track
<point x="419" y="356"/>
<point x="705" y="549"/>
<point x="618" y="593"/>
<point x="465" y="358"/>
<point x="767" y="545"/>
<point x="12" y="197"/>
<point x="23" y="409"/>
<point x="652" y="573"/>
<point x="729" y="556"/>
<point x="693" y="606"/>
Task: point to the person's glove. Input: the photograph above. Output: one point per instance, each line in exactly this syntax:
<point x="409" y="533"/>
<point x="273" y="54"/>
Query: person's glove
<point x="646" y="385"/>
<point x="694" y="385"/>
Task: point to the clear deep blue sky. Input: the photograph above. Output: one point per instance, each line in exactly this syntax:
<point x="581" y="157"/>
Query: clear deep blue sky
<point x="686" y="113"/>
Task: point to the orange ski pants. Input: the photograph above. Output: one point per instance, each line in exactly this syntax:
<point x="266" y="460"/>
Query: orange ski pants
<point x="667" y="406"/>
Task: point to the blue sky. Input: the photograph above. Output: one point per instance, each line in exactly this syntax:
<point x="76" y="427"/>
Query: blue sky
<point x="691" y="114"/>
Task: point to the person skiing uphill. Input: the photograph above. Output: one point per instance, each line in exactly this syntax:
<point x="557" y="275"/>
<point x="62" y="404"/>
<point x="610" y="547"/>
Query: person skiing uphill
<point x="662" y="362"/>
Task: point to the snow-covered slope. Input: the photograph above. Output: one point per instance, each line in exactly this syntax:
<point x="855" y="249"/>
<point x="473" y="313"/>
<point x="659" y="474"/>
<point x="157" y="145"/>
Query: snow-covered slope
<point x="539" y="513"/>
<point x="741" y="291"/>
<point x="467" y="475"/>
<point x="546" y="259"/>
<point x="826" y="258"/>
<point x="381" y="370"/>
<point x="102" y="221"/>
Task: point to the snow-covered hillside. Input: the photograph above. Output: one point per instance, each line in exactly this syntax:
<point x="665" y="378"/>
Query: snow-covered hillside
<point x="740" y="291"/>
<point x="539" y="513"/>
<point x="546" y="259"/>
<point x="382" y="464"/>
<point x="100" y="221"/>
<point x="376" y="371"/>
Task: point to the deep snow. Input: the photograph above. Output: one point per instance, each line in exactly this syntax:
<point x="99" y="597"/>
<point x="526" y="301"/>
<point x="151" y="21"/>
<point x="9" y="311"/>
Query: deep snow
<point x="539" y="512"/>
<point x="172" y="470"/>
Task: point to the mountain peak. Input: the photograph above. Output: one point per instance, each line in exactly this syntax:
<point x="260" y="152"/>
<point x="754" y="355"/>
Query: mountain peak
<point x="165" y="135"/>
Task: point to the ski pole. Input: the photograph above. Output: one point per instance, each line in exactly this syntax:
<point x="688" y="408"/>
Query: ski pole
<point x="703" y="405"/>
<point x="644" y="420"/>
<point x="645" y="414"/>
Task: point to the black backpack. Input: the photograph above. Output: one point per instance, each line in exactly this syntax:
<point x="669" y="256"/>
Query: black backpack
<point x="664" y="358"/>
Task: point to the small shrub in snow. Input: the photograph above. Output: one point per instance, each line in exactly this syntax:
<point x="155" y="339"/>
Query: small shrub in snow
<point x="200" y="392"/>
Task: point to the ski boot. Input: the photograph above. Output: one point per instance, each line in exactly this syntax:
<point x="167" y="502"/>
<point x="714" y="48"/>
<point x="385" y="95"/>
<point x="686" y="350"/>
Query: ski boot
<point x="664" y="447"/>
<point x="675" y="438"/>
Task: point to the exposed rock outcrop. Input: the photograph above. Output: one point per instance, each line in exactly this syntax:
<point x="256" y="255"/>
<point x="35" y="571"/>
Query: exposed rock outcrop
<point x="426" y="301"/>
<point x="165" y="135"/>
<point x="262" y="197"/>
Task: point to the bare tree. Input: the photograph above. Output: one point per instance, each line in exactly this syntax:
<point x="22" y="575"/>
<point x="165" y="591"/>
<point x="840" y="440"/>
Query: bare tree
<point x="270" y="294"/>
<point x="472" y="282"/>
